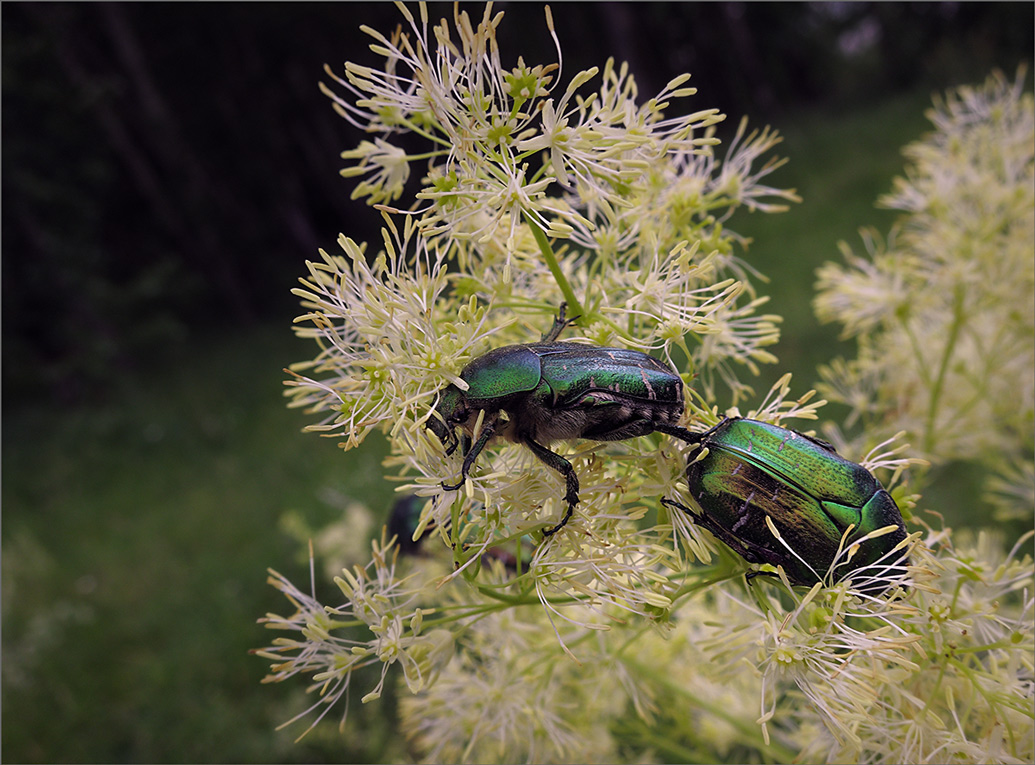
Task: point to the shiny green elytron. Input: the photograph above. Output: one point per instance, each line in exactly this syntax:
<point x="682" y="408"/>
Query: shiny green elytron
<point x="812" y="495"/>
<point x="537" y="393"/>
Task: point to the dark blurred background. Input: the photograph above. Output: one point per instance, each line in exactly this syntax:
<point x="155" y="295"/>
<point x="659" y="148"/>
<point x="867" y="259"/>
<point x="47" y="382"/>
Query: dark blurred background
<point x="167" y="169"/>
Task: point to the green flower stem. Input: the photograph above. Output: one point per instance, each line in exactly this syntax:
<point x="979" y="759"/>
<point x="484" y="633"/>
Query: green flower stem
<point x="524" y="599"/>
<point x="709" y="576"/>
<point x="433" y="137"/>
<point x="574" y="306"/>
<point x="647" y="737"/>
<point x="446" y="615"/>
<point x="958" y="320"/>
<point x="426" y="155"/>
<point x="751" y="734"/>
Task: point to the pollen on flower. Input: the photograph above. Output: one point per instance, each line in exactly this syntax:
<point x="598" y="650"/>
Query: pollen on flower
<point x="526" y="82"/>
<point x="786" y="655"/>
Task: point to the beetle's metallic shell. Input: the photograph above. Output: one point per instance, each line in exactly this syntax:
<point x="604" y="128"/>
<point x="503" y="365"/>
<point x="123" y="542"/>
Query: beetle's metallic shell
<point x="501" y="373"/>
<point x="553" y="391"/>
<point x="811" y="493"/>
<point x="627" y="373"/>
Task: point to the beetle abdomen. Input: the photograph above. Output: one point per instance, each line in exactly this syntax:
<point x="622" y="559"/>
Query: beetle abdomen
<point x="628" y="418"/>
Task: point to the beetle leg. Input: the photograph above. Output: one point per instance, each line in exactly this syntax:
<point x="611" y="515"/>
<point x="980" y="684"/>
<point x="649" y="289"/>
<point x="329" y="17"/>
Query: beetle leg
<point x="559" y="324"/>
<point x="713" y="428"/>
<point x="681" y="433"/>
<point x="571" y="480"/>
<point x="688" y="435"/>
<point x="750" y="552"/>
<point x="487" y="431"/>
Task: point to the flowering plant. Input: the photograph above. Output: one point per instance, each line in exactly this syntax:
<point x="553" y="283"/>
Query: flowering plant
<point x="943" y="308"/>
<point x="630" y="633"/>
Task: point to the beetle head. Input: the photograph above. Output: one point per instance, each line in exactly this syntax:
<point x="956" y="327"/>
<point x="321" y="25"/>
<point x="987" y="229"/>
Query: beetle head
<point x="450" y="410"/>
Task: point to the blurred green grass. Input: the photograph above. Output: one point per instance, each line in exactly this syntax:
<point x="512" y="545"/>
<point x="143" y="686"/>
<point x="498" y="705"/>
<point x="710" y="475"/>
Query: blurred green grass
<point x="135" y="541"/>
<point x="137" y="532"/>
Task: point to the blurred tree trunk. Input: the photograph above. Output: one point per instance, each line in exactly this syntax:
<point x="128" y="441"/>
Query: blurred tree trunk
<point x="150" y="143"/>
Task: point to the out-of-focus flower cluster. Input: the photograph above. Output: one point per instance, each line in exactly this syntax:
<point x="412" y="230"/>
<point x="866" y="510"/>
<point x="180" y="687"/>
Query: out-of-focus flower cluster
<point x="943" y="310"/>
<point x="629" y="634"/>
<point x="719" y="674"/>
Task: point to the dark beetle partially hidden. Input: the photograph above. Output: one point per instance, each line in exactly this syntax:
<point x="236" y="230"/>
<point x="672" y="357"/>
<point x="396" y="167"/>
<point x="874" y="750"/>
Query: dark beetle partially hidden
<point x="537" y="393"/>
<point x="403" y="520"/>
<point x="812" y="494"/>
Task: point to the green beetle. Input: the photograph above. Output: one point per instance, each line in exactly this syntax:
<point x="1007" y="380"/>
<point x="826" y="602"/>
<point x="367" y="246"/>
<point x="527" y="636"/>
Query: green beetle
<point x="753" y="470"/>
<point x="537" y="393"/>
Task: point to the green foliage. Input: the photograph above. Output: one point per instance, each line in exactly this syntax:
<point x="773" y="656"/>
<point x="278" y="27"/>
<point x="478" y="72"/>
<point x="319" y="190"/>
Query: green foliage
<point x="135" y="542"/>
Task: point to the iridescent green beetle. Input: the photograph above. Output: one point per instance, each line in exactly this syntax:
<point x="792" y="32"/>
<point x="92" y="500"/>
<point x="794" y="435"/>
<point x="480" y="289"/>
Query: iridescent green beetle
<point x="538" y="393"/>
<point x="753" y="470"/>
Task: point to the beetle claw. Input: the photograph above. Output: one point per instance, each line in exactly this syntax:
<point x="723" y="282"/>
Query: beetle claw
<point x="564" y="520"/>
<point x="679" y="432"/>
<point x="559" y="323"/>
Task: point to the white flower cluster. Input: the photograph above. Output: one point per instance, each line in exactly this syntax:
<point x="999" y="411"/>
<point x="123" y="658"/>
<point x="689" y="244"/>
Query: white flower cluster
<point x="528" y="199"/>
<point x="599" y="643"/>
<point x="944" y="310"/>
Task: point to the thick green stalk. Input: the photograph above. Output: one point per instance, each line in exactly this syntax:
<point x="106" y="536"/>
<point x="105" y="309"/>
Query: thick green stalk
<point x="574" y="306"/>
